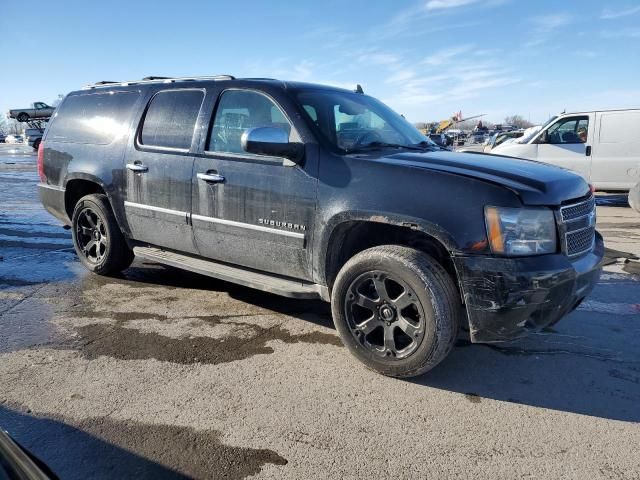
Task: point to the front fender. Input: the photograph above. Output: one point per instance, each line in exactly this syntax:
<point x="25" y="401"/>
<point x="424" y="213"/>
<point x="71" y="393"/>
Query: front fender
<point x="322" y="242"/>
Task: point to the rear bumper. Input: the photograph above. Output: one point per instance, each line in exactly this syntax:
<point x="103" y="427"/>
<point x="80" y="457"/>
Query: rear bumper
<point x="52" y="199"/>
<point x="508" y="298"/>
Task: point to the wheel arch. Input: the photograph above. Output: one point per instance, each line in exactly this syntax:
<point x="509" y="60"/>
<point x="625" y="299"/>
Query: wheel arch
<point x="77" y="186"/>
<point x="349" y="234"/>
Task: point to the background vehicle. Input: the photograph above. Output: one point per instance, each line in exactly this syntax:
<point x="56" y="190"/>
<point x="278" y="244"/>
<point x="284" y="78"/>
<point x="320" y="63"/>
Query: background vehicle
<point x="602" y="146"/>
<point x="33" y="137"/>
<point x="14" y="139"/>
<point x="310" y="191"/>
<point x="499" y="138"/>
<point x="2" y="137"/>
<point x="440" y="139"/>
<point x="36" y="110"/>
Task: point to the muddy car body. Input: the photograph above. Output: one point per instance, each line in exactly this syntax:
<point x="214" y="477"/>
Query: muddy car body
<point x="309" y="191"/>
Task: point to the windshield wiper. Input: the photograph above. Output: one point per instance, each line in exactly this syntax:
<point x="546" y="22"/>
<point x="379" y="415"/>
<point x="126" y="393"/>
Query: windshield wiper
<point x="424" y="145"/>
<point x="378" y="145"/>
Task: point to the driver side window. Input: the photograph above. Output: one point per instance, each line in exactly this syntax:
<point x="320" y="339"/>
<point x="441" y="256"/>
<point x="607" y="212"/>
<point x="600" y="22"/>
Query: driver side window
<point x="570" y="130"/>
<point x="240" y="110"/>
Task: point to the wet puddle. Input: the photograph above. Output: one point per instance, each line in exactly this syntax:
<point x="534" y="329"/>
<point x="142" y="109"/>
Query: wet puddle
<point x="117" y="341"/>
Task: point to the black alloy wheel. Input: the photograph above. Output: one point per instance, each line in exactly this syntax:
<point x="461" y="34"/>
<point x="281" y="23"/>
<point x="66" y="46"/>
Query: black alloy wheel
<point x="91" y="235"/>
<point x="384" y="315"/>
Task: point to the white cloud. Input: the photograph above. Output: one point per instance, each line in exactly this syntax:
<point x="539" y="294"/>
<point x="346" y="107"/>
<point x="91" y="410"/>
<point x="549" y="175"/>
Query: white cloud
<point x="445" y="4"/>
<point x="547" y="23"/>
<point x="446" y="55"/>
<point x="378" y="58"/>
<point x="609" y="13"/>
<point x="544" y="26"/>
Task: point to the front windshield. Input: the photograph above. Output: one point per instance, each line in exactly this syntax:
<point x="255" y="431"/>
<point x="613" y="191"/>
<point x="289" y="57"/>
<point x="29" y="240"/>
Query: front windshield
<point x="353" y="121"/>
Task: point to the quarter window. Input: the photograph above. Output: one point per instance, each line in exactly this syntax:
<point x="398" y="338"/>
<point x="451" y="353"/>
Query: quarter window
<point x="171" y="119"/>
<point x="569" y="130"/>
<point x="239" y="110"/>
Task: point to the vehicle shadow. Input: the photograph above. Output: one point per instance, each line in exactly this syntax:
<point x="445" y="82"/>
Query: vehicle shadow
<point x="145" y="273"/>
<point x="588" y="364"/>
<point x="556" y="370"/>
<point x="73" y="453"/>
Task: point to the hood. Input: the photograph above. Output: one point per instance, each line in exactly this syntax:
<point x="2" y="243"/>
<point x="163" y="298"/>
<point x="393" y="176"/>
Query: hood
<point x="534" y="182"/>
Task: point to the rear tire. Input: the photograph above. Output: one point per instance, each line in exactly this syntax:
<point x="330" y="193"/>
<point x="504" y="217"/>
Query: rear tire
<point x="22" y="117"/>
<point x="396" y="309"/>
<point x="97" y="238"/>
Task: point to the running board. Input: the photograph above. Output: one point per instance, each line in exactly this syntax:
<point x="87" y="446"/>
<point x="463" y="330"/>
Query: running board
<point x="242" y="276"/>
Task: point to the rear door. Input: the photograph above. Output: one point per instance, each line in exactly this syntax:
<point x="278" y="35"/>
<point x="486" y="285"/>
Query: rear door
<point x="567" y="143"/>
<point x="159" y="166"/>
<point x="616" y="153"/>
<point x="252" y="210"/>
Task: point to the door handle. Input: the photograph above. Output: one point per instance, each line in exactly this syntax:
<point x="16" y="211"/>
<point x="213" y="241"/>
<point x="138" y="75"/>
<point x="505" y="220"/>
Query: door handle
<point x="137" y="167"/>
<point x="211" y="177"/>
<point x="587" y="151"/>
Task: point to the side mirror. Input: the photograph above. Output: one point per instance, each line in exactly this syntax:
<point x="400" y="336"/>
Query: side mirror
<point x="271" y="141"/>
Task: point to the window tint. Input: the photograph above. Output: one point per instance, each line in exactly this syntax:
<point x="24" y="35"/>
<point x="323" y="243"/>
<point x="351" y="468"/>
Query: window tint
<point x="171" y="119"/>
<point x="569" y="130"/>
<point x="95" y="118"/>
<point x="311" y="111"/>
<point x="239" y="110"/>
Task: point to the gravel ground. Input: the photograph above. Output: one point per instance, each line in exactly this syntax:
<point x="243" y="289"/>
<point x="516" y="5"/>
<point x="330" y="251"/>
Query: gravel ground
<point x="167" y="374"/>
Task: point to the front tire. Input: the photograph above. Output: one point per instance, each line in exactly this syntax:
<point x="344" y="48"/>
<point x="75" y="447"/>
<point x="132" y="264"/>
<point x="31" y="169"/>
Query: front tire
<point x="97" y="238"/>
<point x="396" y="309"/>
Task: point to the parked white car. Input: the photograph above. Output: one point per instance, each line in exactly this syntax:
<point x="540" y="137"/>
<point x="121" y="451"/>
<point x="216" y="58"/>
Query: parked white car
<point x="602" y="146"/>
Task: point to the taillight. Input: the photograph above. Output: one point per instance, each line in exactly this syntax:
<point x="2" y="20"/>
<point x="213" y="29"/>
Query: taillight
<point x="41" y="174"/>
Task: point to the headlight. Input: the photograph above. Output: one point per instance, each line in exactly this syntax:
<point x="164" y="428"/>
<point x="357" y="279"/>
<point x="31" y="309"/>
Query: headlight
<point x="521" y="231"/>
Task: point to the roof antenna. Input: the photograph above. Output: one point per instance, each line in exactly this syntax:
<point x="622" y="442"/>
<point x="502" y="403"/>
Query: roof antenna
<point x="359" y="89"/>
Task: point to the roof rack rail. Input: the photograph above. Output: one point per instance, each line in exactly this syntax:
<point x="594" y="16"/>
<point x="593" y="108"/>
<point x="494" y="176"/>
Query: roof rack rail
<point x="157" y="80"/>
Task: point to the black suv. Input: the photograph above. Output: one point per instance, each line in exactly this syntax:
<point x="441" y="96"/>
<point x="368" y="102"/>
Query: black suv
<point x="310" y="191"/>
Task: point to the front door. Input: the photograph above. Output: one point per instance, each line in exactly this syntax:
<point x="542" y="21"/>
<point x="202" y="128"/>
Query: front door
<point x="567" y="143"/>
<point x="159" y="167"/>
<point x="252" y="210"/>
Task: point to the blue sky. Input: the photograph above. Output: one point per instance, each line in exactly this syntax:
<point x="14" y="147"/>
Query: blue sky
<point x="427" y="59"/>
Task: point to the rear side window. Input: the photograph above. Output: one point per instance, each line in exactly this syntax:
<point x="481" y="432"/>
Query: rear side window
<point x="93" y="118"/>
<point x="171" y="119"/>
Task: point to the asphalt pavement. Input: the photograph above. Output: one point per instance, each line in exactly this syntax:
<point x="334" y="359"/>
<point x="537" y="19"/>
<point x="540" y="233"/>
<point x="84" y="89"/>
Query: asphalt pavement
<point x="161" y="373"/>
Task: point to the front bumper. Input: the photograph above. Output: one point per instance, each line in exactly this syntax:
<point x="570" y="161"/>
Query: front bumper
<point x="506" y="298"/>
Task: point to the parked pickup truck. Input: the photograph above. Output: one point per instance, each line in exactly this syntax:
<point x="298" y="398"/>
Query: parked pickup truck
<point x="310" y="191"/>
<point x="37" y="110"/>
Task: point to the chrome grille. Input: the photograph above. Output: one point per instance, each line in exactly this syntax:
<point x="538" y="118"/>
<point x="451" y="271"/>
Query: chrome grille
<point x="578" y="227"/>
<point x="578" y="210"/>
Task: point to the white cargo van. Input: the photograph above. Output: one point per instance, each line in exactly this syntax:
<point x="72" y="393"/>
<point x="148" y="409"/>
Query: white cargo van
<point x="602" y="146"/>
